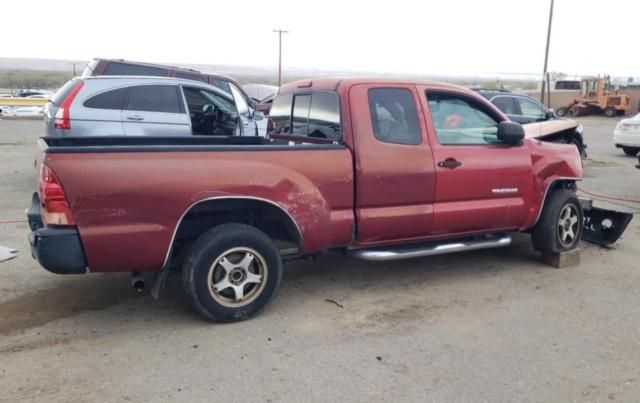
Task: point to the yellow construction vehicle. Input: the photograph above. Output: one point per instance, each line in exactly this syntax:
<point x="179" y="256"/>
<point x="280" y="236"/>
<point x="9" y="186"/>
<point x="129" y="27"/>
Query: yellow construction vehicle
<point x="597" y="95"/>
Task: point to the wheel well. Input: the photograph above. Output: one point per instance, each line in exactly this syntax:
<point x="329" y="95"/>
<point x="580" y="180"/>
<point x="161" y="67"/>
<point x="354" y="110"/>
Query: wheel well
<point x="267" y="217"/>
<point x="553" y="186"/>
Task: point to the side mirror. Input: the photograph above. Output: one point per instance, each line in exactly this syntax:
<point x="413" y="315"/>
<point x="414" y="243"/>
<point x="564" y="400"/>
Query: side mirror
<point x="511" y="133"/>
<point x="551" y="114"/>
<point x="257" y="115"/>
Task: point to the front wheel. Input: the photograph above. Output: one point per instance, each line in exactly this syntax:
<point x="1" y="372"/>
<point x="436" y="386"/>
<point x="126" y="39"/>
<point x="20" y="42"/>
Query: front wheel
<point x="560" y="225"/>
<point x="231" y="272"/>
<point x="632" y="151"/>
<point x="610" y="112"/>
<point x="562" y="111"/>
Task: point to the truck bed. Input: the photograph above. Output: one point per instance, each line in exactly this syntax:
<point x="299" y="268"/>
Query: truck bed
<point x="129" y="195"/>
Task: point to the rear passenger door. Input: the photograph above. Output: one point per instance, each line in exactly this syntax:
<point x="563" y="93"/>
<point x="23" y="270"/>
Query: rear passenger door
<point x="155" y="110"/>
<point x="394" y="164"/>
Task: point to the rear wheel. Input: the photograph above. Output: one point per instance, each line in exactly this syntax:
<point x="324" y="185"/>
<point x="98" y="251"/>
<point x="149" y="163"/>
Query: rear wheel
<point x="231" y="272"/>
<point x="632" y="151"/>
<point x="610" y="112"/>
<point x="560" y="225"/>
<point x="562" y="111"/>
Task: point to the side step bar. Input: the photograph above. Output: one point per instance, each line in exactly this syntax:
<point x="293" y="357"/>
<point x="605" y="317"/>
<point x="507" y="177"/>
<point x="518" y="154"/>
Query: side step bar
<point x="431" y="248"/>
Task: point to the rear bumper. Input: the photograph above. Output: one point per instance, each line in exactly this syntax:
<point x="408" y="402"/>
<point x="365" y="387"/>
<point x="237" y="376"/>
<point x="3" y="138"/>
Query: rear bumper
<point x="57" y="249"/>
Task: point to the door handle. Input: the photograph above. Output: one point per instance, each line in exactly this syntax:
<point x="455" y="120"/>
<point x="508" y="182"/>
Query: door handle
<point x="135" y="117"/>
<point x="449" y="163"/>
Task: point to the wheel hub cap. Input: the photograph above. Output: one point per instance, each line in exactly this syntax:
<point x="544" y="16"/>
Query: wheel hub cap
<point x="237" y="276"/>
<point x="568" y="225"/>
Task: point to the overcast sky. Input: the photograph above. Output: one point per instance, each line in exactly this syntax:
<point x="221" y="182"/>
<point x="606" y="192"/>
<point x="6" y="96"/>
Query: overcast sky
<point x="451" y="37"/>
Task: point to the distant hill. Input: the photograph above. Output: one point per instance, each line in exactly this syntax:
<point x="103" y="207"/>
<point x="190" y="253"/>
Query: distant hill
<point x="7" y="63"/>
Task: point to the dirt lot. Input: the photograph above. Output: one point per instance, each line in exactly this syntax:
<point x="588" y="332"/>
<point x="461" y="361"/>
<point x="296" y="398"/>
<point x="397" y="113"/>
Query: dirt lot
<point x="480" y="326"/>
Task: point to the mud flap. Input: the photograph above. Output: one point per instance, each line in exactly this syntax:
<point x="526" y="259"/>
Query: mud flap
<point x="601" y="226"/>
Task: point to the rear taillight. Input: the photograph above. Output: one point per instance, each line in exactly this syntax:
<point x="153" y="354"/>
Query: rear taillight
<point x="53" y="202"/>
<point x="62" y="120"/>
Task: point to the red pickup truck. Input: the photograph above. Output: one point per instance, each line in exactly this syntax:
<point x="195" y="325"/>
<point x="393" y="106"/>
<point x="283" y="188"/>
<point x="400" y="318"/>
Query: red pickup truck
<point x="378" y="169"/>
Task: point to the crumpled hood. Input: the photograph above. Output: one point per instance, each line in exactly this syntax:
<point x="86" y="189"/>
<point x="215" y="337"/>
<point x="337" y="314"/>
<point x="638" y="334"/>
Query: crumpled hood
<point x="548" y="127"/>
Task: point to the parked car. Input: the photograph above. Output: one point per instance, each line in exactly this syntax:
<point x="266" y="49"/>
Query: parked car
<point x="378" y="169"/>
<point x="149" y="106"/>
<point x="26" y="111"/>
<point x="627" y="135"/>
<point x="539" y="121"/>
<point x="25" y="93"/>
<point x="120" y="67"/>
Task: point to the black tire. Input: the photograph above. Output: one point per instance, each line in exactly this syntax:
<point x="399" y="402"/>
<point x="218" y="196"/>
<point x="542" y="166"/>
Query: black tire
<point x="219" y="254"/>
<point x="631" y="151"/>
<point x="610" y="112"/>
<point x="546" y="235"/>
<point x="562" y="111"/>
<point x="573" y="112"/>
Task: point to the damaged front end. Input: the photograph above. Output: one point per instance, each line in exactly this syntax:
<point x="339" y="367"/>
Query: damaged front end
<point x="601" y="226"/>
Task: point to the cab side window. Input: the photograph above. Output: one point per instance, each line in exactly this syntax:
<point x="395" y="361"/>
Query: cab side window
<point x="314" y="115"/>
<point x="460" y="121"/>
<point x="394" y="115"/>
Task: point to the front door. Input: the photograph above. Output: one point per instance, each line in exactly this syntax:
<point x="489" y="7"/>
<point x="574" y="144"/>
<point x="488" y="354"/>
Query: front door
<point x="481" y="183"/>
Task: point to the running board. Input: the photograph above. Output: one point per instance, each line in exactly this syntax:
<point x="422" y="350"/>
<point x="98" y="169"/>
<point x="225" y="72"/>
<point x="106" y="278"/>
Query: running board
<point x="431" y="248"/>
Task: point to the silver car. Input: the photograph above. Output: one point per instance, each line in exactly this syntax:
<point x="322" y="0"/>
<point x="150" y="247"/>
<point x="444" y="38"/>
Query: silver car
<point x="149" y="106"/>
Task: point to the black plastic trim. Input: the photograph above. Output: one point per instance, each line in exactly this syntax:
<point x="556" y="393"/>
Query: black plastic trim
<point x="33" y="213"/>
<point x="58" y="250"/>
<point x="170" y="144"/>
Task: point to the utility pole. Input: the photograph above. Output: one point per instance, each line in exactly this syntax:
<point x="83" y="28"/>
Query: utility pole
<point x="280" y="32"/>
<point x="546" y="53"/>
<point x="74" y="69"/>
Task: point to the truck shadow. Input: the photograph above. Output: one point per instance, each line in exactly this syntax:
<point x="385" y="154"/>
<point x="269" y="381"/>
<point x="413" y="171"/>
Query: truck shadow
<point x="331" y="277"/>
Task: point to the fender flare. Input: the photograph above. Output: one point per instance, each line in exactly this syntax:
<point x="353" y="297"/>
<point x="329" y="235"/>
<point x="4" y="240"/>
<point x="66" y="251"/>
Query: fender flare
<point x="259" y="199"/>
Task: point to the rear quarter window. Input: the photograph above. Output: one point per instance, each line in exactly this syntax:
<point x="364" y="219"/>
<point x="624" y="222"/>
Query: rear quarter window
<point x="125" y="69"/>
<point x="113" y="99"/>
<point x="394" y="116"/>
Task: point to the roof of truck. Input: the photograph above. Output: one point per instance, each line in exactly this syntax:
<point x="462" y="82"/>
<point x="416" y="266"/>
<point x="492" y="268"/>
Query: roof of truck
<point x="333" y="83"/>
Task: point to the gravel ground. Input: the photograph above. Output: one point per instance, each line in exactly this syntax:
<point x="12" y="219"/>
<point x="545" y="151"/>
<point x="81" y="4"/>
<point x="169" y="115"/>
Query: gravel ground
<point x="490" y="325"/>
